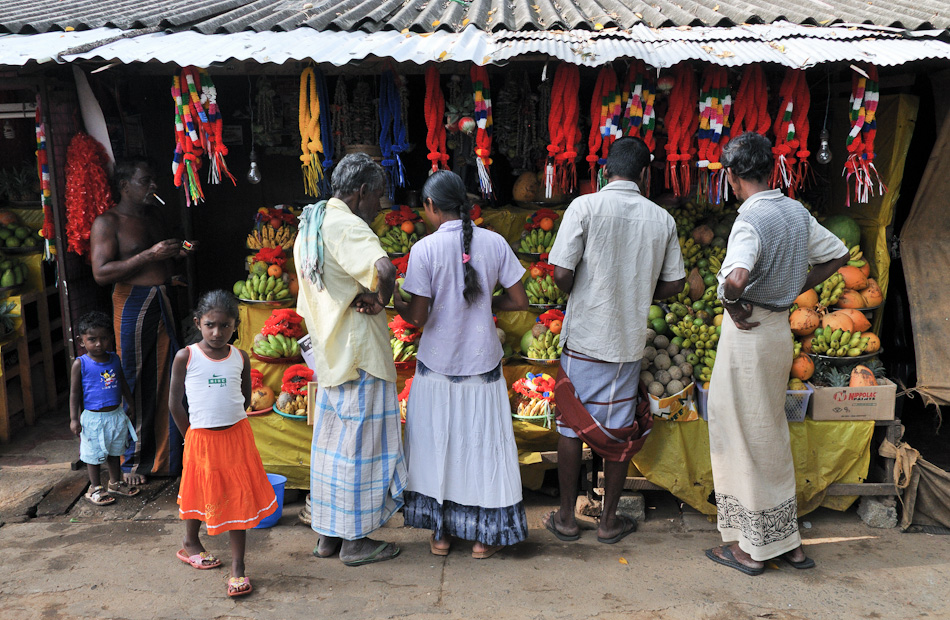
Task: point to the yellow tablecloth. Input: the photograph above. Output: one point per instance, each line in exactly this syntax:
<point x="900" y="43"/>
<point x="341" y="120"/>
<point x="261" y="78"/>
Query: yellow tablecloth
<point x="284" y="445"/>
<point x="676" y="457"/>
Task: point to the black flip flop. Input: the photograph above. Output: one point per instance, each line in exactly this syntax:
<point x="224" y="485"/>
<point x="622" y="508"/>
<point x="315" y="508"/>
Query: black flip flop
<point x="800" y="565"/>
<point x="731" y="561"/>
<point x="549" y="526"/>
<point x="624" y="531"/>
<point x="375" y="556"/>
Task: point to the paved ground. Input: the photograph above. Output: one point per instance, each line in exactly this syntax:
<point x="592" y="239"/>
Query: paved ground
<point x="60" y="559"/>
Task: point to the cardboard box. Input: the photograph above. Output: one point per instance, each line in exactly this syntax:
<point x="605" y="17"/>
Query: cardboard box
<point x="857" y="403"/>
<point x="678" y="408"/>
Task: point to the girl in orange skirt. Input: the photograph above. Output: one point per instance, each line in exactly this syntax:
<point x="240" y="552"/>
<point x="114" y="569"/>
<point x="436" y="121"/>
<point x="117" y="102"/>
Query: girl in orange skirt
<point x="223" y="481"/>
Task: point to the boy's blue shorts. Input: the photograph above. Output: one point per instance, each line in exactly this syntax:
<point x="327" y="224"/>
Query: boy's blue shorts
<point x="104" y="434"/>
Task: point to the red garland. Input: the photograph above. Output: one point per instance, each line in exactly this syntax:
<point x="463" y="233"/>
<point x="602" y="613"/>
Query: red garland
<point x="285" y="322"/>
<point x="295" y="380"/>
<point x="257" y="379"/>
<point x="88" y="194"/>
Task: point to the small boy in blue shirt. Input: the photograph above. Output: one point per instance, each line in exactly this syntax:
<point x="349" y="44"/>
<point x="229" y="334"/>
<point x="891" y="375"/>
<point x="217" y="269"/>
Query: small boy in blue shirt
<point x="97" y="387"/>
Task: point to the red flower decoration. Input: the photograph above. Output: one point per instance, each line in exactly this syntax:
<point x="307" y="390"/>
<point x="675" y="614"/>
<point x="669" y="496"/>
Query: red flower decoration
<point x="271" y="256"/>
<point x="551" y="315"/>
<point x="295" y="379"/>
<point x="257" y="379"/>
<point x="403" y="330"/>
<point x="400" y="214"/>
<point x="535" y="220"/>
<point x="284" y="321"/>
<point x="545" y="267"/>
<point x="405" y="391"/>
<point x="401" y="264"/>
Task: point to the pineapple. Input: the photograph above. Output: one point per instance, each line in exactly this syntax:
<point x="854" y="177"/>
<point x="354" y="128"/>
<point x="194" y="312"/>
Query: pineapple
<point x="827" y="375"/>
<point x="7" y="315"/>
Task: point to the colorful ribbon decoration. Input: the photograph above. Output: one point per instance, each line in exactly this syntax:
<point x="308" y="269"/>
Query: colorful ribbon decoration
<point x="483" y="122"/>
<point x="639" y="118"/>
<point x="392" y="133"/>
<point x="187" y="159"/>
<point x="790" y="126"/>
<point x="560" y="170"/>
<point x="715" y="106"/>
<point x="42" y="169"/>
<point x="681" y="123"/>
<point x="435" y="126"/>
<point x="865" y="95"/>
<point x="309" y="124"/>
<point x="605" y="120"/>
<point x="212" y="138"/>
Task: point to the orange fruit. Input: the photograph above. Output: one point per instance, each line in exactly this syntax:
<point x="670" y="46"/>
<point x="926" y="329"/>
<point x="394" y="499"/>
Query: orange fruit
<point x="293" y="286"/>
<point x="555" y="327"/>
<point x="546" y="224"/>
<point x="408" y="227"/>
<point x="275" y="270"/>
<point x="535" y="272"/>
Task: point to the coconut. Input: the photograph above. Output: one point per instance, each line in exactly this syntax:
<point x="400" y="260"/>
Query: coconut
<point x="663" y="376"/>
<point x="656" y="388"/>
<point x="662" y="361"/>
<point x="649" y="353"/>
<point x="696" y="285"/>
<point x="873" y="296"/>
<point x="679" y="359"/>
<point x="703" y="235"/>
<point x="674" y="387"/>
<point x="804" y="321"/>
<point x="851" y="299"/>
<point x="646" y="377"/>
<point x="687" y="369"/>
<point x="661" y="342"/>
<point x="675" y="372"/>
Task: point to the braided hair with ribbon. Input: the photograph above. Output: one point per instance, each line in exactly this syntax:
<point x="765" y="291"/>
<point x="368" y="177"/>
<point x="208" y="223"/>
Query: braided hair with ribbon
<point x="447" y="192"/>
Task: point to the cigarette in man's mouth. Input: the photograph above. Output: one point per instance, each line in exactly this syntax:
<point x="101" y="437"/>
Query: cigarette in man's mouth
<point x="158" y="198"/>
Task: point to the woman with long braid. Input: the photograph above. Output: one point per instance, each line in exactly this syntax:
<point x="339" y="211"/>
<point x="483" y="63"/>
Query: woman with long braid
<point x="463" y="478"/>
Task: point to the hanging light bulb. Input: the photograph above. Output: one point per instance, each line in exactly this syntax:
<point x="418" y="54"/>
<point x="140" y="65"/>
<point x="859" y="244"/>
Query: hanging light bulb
<point x="824" y="152"/>
<point x="254" y="172"/>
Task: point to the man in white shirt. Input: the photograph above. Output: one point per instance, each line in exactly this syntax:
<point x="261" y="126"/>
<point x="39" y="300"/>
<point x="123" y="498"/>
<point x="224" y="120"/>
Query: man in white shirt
<point x="770" y="249"/>
<point x="615" y="252"/>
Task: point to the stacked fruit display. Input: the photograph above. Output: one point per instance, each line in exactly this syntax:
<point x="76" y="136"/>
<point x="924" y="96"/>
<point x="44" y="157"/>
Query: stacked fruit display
<point x="543" y="341"/>
<point x="856" y="375"/>
<point x="404" y="341"/>
<point x="266" y="280"/>
<point x="293" y="390"/>
<point x="536" y="403"/>
<point x="13" y="272"/>
<point x="273" y="228"/>
<point x="402" y="229"/>
<point x="540" y="286"/>
<point x="540" y="229"/>
<point x="667" y="367"/>
<point x="262" y="397"/>
<point x="278" y="337"/>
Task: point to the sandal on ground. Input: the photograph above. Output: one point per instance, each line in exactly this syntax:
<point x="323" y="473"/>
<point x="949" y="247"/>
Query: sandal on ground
<point x="730" y="560"/>
<point x="385" y="551"/>
<point x="437" y="550"/>
<point x="123" y="488"/>
<point x="328" y="554"/>
<point x="99" y="496"/>
<point x="800" y="565"/>
<point x="550" y="526"/>
<point x="628" y="526"/>
<point x="239" y="586"/>
<point x="200" y="561"/>
<point x="488" y="552"/>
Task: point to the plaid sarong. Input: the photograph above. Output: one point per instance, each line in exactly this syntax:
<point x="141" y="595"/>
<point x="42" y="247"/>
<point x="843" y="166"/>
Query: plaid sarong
<point x="357" y="469"/>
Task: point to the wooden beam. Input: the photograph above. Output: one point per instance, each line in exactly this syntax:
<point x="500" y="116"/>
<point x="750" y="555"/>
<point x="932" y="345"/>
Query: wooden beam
<point x="866" y="488"/>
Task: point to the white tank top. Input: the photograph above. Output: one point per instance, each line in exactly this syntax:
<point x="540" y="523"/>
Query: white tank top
<point x="213" y="388"/>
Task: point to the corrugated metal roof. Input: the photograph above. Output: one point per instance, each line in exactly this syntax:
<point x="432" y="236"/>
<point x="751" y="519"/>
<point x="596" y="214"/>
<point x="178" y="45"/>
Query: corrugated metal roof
<point x="222" y="16"/>
<point x="783" y="44"/>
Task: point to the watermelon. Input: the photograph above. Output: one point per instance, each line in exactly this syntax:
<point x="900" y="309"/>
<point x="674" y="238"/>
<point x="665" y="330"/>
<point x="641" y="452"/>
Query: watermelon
<point x="844" y="227"/>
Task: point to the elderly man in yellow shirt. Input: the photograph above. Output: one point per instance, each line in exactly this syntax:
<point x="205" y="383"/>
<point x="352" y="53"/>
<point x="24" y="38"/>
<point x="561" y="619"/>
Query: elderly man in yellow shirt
<point x="357" y="469"/>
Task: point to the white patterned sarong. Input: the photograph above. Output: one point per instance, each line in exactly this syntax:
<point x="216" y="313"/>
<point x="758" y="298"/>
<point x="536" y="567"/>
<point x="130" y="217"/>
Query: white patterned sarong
<point x="749" y="446"/>
<point x="357" y="468"/>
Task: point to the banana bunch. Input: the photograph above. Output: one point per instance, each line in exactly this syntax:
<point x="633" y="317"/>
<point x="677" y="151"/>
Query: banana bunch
<point x="545" y="347"/>
<point x="838" y="343"/>
<point x="403" y="351"/>
<point x="797" y="349"/>
<point x="691" y="250"/>
<point x="276" y="345"/>
<point x="830" y="290"/>
<point x="711" y="253"/>
<point x="537" y="242"/>
<point x="708" y="361"/>
<point x="543" y="291"/>
<point x="535" y="408"/>
<point x="396" y="241"/>
<point x="262" y="287"/>
<point x="856" y="257"/>
<point x="267" y="237"/>
<point x="680" y="298"/>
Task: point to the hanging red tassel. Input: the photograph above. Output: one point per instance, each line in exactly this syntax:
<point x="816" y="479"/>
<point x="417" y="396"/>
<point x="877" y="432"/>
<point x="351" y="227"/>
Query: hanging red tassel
<point x="87" y="190"/>
<point x="681" y="122"/>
